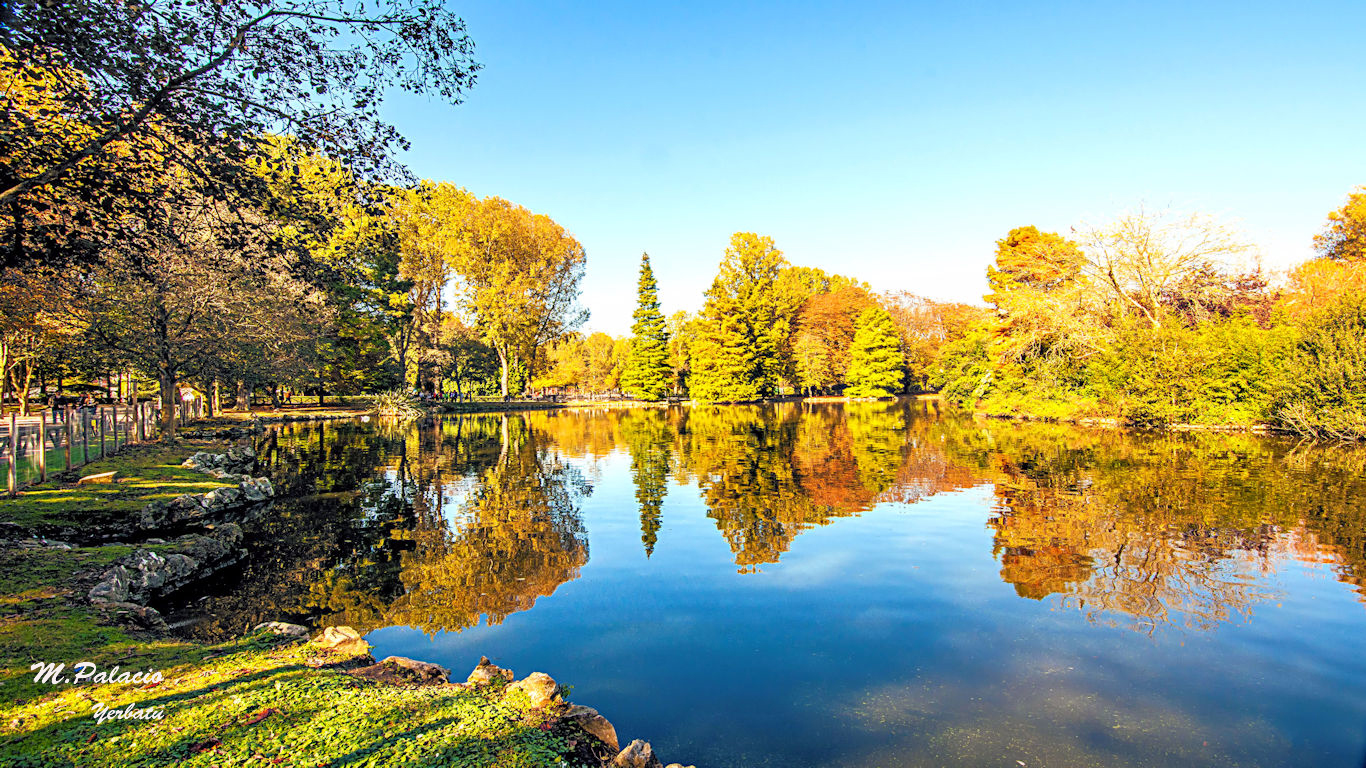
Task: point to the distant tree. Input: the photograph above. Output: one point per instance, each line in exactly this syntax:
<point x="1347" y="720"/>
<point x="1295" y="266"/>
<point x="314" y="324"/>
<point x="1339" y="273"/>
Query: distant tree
<point x="34" y="323"/>
<point x="1028" y="258"/>
<point x="564" y="365"/>
<point x="875" y="363"/>
<point x="520" y="275"/>
<point x="647" y="374"/>
<point x="926" y="328"/>
<point x="186" y="300"/>
<point x="605" y="359"/>
<point x="430" y="222"/>
<point x="1323" y="389"/>
<point x="736" y="356"/>
<point x="1344" y="236"/>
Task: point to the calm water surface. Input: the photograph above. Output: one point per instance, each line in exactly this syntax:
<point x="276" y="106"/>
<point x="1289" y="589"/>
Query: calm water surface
<point x="870" y="584"/>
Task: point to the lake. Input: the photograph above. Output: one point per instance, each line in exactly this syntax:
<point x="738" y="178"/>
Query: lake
<point x="863" y="584"/>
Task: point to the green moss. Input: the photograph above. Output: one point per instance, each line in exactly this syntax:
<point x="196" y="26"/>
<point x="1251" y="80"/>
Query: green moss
<point x="254" y="701"/>
<point x="145" y="473"/>
<point x="41" y="618"/>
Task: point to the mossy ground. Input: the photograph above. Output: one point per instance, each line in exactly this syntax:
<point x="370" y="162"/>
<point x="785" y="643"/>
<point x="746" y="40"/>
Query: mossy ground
<point x="145" y="473"/>
<point x="264" y="701"/>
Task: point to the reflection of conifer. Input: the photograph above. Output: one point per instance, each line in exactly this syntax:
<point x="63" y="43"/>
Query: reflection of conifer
<point x="650" y="445"/>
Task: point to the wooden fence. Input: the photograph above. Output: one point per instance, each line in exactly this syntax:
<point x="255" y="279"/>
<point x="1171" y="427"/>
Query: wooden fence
<point x="74" y="436"/>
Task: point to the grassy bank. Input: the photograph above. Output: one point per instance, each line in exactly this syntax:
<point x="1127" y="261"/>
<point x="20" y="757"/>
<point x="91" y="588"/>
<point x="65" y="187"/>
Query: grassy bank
<point x="265" y="700"/>
<point x="145" y="473"/>
<point x="257" y="700"/>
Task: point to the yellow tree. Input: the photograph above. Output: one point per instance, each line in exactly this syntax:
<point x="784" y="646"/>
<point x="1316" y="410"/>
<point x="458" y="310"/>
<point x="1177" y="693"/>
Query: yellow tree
<point x="519" y="275"/>
<point x="431" y="222"/>
<point x="1344" y="236"/>
<point x="32" y="323"/>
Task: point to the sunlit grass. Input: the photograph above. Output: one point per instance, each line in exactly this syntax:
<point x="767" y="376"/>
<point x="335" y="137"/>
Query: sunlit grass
<point x="144" y="474"/>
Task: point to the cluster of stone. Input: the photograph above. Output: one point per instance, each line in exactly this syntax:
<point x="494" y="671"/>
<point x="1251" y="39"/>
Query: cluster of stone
<point x="540" y="690"/>
<point x="236" y="462"/>
<point x="145" y="575"/>
<point x="235" y="465"/>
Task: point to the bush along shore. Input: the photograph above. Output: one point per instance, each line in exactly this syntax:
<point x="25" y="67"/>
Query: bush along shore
<point x="90" y="674"/>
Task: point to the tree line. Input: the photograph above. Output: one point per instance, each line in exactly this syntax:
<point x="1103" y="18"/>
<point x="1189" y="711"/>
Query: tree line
<point x="206" y="196"/>
<point x="767" y="328"/>
<point x="1158" y="319"/>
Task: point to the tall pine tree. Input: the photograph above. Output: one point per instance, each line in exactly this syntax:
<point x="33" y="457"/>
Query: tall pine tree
<point x="876" y="364"/>
<point x="647" y="374"/>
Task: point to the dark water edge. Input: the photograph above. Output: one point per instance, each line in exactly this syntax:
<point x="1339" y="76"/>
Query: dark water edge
<point x="845" y="584"/>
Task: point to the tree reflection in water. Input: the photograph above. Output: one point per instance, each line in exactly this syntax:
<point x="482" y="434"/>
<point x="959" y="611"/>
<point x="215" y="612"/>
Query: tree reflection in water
<point x="459" y="520"/>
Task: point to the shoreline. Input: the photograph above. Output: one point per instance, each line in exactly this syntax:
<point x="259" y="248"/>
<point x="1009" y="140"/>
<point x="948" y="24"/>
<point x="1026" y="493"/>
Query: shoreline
<point x="1104" y="422"/>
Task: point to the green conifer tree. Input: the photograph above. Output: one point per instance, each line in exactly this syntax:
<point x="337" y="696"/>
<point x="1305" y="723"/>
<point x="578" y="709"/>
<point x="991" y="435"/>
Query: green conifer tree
<point x="647" y="374"/>
<point x="876" y="364"/>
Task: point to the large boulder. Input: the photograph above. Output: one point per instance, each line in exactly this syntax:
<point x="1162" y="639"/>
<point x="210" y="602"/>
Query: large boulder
<point x="222" y="546"/>
<point x="283" y="628"/>
<point x="539" y="687"/>
<point x="637" y="754"/>
<point x="343" y="640"/>
<point x="400" y="669"/>
<point x="220" y="499"/>
<point x="594" y="724"/>
<point x="486" y="673"/>
<point x="258" y="489"/>
<point x="142" y="576"/>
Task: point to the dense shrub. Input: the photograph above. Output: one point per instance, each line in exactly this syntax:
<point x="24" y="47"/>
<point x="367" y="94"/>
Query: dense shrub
<point x="1322" y="392"/>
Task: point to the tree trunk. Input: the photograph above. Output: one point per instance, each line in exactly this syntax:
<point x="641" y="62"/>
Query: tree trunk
<point x="503" y="361"/>
<point x="274" y="390"/>
<point x="22" y="392"/>
<point x="243" y="396"/>
<point x="170" y="394"/>
<point x="217" y="406"/>
<point x="166" y="372"/>
<point x="4" y="373"/>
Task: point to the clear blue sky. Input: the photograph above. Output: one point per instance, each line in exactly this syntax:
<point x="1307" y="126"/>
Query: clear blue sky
<point x="895" y="142"/>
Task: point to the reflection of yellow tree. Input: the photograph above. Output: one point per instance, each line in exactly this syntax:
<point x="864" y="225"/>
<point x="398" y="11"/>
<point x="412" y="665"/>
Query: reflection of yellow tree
<point x="517" y="538"/>
<point x="1151" y="530"/>
<point x="580" y="432"/>
<point x="749" y="486"/>
<point x="767" y="473"/>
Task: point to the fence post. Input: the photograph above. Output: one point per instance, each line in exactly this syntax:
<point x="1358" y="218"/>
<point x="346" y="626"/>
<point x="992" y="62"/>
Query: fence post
<point x="67" y="442"/>
<point x="137" y="415"/>
<point x="13" y="453"/>
<point x="99" y="416"/>
<point x="85" y="437"/>
<point x="42" y="446"/>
